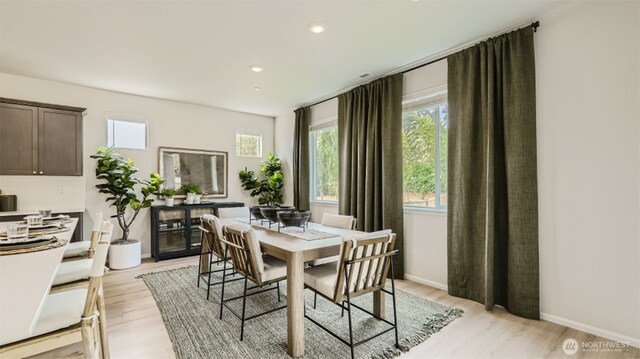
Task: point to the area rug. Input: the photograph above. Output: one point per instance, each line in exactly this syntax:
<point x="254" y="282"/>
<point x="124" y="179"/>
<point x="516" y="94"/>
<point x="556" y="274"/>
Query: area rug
<point x="196" y="331"/>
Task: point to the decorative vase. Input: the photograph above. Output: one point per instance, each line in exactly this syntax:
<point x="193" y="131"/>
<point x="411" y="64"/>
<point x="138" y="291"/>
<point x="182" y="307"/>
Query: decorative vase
<point x="168" y="201"/>
<point x="190" y="198"/>
<point x="197" y="198"/>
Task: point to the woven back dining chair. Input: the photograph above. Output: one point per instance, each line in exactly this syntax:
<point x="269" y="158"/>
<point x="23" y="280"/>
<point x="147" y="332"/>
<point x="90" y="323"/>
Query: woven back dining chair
<point x="212" y="252"/>
<point x="362" y="268"/>
<point x="247" y="258"/>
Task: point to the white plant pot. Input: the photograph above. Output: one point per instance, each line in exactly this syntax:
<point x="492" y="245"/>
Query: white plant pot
<point x="190" y="198"/>
<point x="123" y="256"/>
<point x="168" y="201"/>
<point x="197" y="198"/>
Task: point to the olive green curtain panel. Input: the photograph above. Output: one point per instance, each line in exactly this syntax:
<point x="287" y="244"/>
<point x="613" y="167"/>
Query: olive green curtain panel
<point x="301" y="158"/>
<point x="492" y="187"/>
<point x="370" y="157"/>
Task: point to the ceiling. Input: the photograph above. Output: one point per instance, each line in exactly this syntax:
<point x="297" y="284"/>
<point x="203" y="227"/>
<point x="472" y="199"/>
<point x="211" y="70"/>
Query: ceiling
<point x="200" y="52"/>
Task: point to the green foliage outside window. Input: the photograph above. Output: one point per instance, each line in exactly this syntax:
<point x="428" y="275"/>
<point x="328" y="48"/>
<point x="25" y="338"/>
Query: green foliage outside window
<point x="326" y="164"/>
<point x="419" y="154"/>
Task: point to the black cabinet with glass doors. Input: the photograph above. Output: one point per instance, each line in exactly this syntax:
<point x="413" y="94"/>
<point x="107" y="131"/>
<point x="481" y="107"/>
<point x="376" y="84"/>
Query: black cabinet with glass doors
<point x="174" y="230"/>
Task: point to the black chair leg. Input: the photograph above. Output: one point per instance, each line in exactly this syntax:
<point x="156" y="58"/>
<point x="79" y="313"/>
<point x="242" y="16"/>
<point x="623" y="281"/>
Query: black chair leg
<point x="244" y="304"/>
<point x="350" y="327"/>
<point x="199" y="269"/>
<point x="342" y="314"/>
<point x="222" y="291"/>
<point x="393" y="296"/>
<point x="209" y="281"/>
<point x="315" y="299"/>
<point x="278" y="285"/>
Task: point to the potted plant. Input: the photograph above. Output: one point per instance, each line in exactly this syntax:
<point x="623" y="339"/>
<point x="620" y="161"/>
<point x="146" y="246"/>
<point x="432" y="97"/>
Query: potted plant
<point x="168" y="194"/>
<point x="119" y="183"/>
<point x="192" y="191"/>
<point x="269" y="187"/>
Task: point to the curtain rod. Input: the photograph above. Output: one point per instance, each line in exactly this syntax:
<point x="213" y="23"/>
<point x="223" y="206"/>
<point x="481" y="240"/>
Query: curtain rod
<point x="534" y="24"/>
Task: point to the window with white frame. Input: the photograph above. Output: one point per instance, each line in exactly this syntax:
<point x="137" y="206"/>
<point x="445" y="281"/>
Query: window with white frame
<point x="323" y="152"/>
<point x="127" y="134"/>
<point x="424" y="151"/>
<point x="248" y="143"/>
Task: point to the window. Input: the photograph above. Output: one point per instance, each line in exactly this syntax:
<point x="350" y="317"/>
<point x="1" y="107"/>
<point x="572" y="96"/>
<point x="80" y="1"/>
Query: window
<point x="424" y="151"/>
<point x="323" y="151"/>
<point x="248" y="143"/>
<point x="126" y="134"/>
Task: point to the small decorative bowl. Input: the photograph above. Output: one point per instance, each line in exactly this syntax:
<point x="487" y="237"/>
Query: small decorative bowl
<point x="294" y="218"/>
<point x="255" y="211"/>
<point x="271" y="213"/>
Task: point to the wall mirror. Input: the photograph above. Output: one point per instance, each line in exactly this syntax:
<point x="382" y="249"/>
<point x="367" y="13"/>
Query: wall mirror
<point x="207" y="169"/>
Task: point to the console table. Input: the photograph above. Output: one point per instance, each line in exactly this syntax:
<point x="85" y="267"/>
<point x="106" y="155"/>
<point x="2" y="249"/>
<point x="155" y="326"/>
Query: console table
<point x="174" y="230"/>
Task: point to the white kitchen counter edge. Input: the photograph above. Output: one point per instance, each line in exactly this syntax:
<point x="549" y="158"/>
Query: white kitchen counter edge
<point x="35" y="211"/>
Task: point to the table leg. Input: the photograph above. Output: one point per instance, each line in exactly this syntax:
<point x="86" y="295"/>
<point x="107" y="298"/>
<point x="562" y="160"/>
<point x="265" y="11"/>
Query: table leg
<point x="295" y="304"/>
<point x="378" y="303"/>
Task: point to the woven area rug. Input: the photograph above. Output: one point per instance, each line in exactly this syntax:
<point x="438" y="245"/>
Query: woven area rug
<point x="196" y="331"/>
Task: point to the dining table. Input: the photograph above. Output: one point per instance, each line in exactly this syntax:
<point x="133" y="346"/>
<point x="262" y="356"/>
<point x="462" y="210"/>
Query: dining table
<point x="26" y="276"/>
<point x="296" y="251"/>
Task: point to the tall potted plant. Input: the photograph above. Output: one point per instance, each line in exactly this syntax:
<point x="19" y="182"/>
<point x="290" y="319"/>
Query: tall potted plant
<point x="119" y="184"/>
<point x="268" y="187"/>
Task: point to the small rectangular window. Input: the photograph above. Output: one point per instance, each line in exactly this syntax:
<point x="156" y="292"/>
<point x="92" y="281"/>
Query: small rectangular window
<point x="248" y="143"/>
<point x="126" y="134"/>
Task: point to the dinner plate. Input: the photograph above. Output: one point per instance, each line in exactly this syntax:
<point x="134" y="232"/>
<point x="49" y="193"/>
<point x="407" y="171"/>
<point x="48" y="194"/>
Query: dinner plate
<point x="44" y="226"/>
<point x="32" y="242"/>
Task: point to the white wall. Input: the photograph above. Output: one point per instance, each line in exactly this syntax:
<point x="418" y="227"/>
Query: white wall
<point x="172" y="124"/>
<point x="588" y="157"/>
<point x="588" y="169"/>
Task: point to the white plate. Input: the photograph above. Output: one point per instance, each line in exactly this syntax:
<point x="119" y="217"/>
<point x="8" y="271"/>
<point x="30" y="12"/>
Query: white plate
<point x="43" y="226"/>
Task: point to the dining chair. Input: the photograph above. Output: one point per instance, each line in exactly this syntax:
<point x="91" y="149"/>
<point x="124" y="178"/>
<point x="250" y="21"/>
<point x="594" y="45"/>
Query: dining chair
<point x="79" y="269"/>
<point x="234" y="212"/>
<point x="338" y="221"/>
<point x="212" y="252"/>
<point x="84" y="249"/>
<point x="247" y="258"/>
<point x="363" y="267"/>
<point x="71" y="315"/>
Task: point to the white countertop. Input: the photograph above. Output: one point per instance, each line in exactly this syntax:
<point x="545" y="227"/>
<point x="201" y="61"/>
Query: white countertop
<point x="27" y="212"/>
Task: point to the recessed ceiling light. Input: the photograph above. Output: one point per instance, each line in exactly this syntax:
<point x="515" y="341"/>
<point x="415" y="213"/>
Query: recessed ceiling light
<point x="316" y="27"/>
<point x="256" y="88"/>
<point x="255" y="68"/>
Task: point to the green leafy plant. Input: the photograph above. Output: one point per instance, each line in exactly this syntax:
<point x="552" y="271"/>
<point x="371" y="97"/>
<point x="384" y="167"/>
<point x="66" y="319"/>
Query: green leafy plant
<point x="269" y="186"/>
<point x="168" y="193"/>
<point x="190" y="188"/>
<point x="118" y="183"/>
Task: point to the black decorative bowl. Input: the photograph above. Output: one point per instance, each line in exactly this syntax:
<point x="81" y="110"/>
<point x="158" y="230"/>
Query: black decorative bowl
<point x="255" y="211"/>
<point x="294" y="218"/>
<point x="271" y="213"/>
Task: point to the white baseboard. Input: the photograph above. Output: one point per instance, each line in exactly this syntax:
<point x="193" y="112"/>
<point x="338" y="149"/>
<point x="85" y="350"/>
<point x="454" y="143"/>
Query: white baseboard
<point x="591" y="329"/>
<point x="146" y="255"/>
<point x="426" y="282"/>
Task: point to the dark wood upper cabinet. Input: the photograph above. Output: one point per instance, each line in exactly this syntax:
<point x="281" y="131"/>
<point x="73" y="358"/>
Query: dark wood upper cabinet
<point x="40" y="139"/>
<point x="18" y="139"/>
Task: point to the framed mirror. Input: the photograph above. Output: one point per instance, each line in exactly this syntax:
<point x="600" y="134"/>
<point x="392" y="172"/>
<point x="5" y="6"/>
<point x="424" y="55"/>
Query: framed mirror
<point x="207" y="169"/>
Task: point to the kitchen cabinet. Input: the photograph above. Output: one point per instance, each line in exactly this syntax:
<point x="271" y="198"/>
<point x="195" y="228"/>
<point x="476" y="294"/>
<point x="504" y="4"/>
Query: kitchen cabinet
<point x="40" y="139"/>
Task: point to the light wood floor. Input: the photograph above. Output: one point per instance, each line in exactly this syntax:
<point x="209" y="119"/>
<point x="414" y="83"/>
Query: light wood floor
<point x="136" y="329"/>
